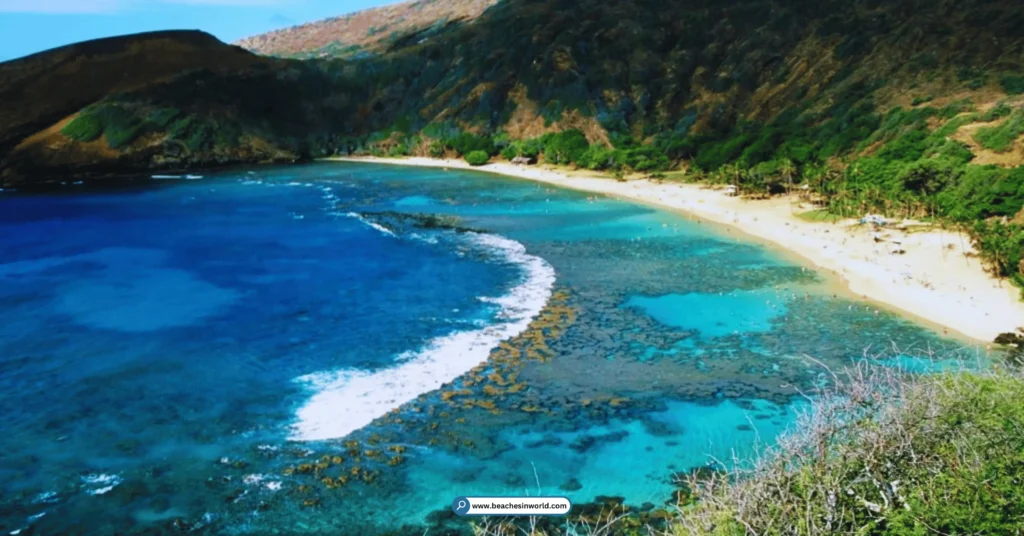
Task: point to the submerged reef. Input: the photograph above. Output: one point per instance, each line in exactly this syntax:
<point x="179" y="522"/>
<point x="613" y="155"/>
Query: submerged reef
<point x="395" y="220"/>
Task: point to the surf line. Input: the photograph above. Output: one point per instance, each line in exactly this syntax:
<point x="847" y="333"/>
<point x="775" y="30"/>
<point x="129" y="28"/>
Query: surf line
<point x="344" y="401"/>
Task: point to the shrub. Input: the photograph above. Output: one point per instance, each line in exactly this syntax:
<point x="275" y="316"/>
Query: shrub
<point x="998" y="111"/>
<point x="644" y="158"/>
<point x="565" y="147"/>
<point x="195" y="134"/>
<point x="597" y="157"/>
<point x="398" y="150"/>
<point x="85" y="127"/>
<point x="162" y="117"/>
<point x="1001" y="245"/>
<point x="117" y="123"/>
<point x="678" y="148"/>
<point x="882" y="452"/>
<point x="1013" y="84"/>
<point x="510" y="151"/>
<point x="531" y="147"/>
<point x="466" y="143"/>
<point x="1001" y="138"/>
<point x="714" y="155"/>
<point x="122" y="128"/>
<point x="477" y="158"/>
<point x="922" y="100"/>
<point x="200" y="138"/>
<point x="436" y="149"/>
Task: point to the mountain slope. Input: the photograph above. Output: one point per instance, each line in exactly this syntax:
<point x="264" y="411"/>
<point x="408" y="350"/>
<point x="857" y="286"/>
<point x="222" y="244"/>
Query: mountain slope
<point x="647" y="66"/>
<point x="737" y="81"/>
<point x="365" y="32"/>
<point x="34" y="90"/>
<point x="157" y="101"/>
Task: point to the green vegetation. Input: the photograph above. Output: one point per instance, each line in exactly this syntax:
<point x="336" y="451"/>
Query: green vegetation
<point x="564" y="147"/>
<point x="849" y="157"/>
<point x="85" y="127"/>
<point x="569" y="147"/>
<point x="882" y="453"/>
<point x="1001" y="138"/>
<point x="120" y="125"/>
<point x="195" y="134"/>
<point x="477" y="158"/>
<point x="820" y="215"/>
<point x="922" y="100"/>
<point x="1012" y="83"/>
<point x="466" y="143"/>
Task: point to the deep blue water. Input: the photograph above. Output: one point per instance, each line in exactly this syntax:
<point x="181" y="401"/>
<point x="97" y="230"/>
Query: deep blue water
<point x="172" y="355"/>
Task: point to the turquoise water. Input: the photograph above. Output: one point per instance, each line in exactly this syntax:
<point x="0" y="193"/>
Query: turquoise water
<point x="716" y="315"/>
<point x="312" y="349"/>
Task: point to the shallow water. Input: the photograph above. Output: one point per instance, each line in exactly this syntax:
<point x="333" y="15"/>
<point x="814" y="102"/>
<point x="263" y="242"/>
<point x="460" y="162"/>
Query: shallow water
<point x="285" y="351"/>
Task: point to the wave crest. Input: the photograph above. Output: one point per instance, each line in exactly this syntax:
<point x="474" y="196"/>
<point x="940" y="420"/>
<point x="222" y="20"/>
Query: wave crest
<point x="347" y="400"/>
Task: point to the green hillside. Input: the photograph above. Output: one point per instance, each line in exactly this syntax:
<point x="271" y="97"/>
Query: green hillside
<point x="909" y="108"/>
<point x="906" y="107"/>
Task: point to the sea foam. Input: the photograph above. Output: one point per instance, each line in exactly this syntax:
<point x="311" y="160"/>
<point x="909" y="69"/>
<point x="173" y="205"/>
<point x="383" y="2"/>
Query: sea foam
<point x="377" y="226"/>
<point x="347" y="400"/>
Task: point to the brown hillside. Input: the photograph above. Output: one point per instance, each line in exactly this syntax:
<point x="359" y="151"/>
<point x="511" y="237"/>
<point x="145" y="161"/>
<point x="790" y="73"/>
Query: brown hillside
<point x="38" y="90"/>
<point x="370" y="30"/>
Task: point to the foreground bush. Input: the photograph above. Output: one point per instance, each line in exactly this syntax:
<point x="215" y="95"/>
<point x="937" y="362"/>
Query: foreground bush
<point x="883" y="454"/>
<point x="477" y="158"/>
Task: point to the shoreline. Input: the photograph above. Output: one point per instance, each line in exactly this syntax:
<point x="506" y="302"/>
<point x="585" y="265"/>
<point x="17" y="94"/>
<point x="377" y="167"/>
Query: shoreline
<point x="934" y="280"/>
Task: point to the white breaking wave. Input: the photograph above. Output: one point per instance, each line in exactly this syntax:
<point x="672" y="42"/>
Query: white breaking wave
<point x="100" y="483"/>
<point x="175" y="177"/>
<point x="376" y="226"/>
<point x="347" y="400"/>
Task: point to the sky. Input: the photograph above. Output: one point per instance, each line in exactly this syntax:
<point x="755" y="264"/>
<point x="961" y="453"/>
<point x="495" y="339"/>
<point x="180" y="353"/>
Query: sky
<point x="29" y="26"/>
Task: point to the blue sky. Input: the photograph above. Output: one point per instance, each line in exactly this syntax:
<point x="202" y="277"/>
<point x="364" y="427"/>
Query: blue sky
<point x="28" y="26"/>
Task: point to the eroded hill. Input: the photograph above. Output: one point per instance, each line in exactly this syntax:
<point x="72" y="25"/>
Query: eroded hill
<point x="366" y="32"/>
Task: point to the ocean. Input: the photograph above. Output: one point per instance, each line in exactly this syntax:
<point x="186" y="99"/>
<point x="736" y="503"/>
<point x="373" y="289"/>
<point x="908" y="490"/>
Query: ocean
<point x="345" y="348"/>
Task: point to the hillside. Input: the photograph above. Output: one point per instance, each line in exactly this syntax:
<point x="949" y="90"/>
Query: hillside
<point x="155" y="101"/>
<point x="34" y="89"/>
<point x="365" y="32"/>
<point x="739" y="81"/>
<point x="908" y="107"/>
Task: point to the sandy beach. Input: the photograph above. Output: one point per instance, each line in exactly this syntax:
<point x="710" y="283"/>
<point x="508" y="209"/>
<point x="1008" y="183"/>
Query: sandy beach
<point x="933" y="280"/>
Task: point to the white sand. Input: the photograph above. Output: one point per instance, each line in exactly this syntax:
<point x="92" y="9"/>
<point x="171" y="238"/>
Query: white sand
<point x="933" y="280"/>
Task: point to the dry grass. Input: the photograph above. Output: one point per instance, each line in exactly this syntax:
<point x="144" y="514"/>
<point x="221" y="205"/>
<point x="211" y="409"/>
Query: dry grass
<point x="877" y="452"/>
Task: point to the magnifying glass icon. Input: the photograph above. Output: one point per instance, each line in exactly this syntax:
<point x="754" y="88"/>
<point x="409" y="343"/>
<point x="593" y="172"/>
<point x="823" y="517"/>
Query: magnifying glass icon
<point x="460" y="506"/>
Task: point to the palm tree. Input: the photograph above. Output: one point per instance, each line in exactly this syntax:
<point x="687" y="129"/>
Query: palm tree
<point x="787" y="170"/>
<point x="737" y="174"/>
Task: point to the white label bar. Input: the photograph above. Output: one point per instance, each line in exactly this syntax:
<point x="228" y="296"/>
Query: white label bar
<point x="511" y="506"/>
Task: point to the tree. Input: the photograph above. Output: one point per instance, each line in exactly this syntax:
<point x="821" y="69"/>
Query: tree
<point x="565" y="147"/>
<point x="477" y="158"/>
<point x="787" y="170"/>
